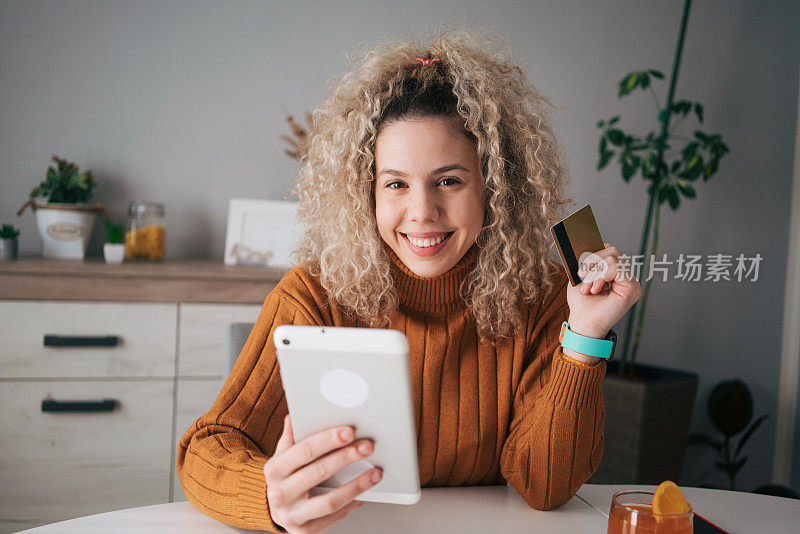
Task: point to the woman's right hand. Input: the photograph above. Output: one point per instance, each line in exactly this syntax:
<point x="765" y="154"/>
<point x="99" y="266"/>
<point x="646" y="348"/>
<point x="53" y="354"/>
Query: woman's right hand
<point x="295" y="468"/>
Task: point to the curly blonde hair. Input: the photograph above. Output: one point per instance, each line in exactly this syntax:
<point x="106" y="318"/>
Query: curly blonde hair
<point x="477" y="85"/>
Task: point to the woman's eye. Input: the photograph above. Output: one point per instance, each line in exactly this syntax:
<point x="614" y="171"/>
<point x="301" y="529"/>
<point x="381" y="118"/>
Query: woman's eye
<point x="452" y="181"/>
<point x="394" y="185"/>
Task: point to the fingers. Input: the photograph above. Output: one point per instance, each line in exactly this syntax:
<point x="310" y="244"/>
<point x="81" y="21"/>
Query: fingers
<point x="287" y="436"/>
<point x="308" y="450"/>
<point x="324" y="468"/>
<point x="599" y="265"/>
<point x="338" y="499"/>
<point x="599" y="271"/>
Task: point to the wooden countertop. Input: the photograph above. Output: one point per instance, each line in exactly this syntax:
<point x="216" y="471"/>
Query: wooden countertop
<point x="31" y="277"/>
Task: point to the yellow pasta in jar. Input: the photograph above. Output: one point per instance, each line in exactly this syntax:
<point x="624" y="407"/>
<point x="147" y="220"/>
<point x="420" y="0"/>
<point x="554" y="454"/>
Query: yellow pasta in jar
<point x="146" y="242"/>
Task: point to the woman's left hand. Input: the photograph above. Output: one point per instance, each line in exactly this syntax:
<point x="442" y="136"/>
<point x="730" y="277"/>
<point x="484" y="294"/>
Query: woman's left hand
<point x="606" y="294"/>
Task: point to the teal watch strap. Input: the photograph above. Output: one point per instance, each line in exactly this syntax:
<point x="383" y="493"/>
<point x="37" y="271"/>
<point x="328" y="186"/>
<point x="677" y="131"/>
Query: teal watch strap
<point x="600" y="348"/>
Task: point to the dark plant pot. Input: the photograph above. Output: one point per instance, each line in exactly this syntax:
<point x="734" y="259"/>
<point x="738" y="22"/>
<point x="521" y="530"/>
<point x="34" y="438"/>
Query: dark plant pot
<point x="8" y="249"/>
<point x="647" y="425"/>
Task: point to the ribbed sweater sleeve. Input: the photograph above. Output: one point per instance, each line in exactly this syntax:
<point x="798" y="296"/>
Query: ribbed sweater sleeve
<point x="221" y="457"/>
<point x="556" y="434"/>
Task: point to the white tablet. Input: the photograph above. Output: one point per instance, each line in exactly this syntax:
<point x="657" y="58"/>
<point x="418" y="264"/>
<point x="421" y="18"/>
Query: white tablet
<point x="336" y="376"/>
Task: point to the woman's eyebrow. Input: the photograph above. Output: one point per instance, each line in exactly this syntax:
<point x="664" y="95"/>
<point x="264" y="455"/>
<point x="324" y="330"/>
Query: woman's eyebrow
<point x="440" y="170"/>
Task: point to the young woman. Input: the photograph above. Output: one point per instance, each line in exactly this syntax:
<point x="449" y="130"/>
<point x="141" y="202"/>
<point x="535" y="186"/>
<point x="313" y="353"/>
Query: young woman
<point x="427" y="195"/>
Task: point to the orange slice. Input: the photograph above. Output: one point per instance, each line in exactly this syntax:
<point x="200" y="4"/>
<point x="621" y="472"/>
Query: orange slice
<point x="668" y="499"/>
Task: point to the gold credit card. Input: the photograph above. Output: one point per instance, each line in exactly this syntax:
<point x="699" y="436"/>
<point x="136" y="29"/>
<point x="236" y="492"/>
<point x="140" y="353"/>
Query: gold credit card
<point x="577" y="236"/>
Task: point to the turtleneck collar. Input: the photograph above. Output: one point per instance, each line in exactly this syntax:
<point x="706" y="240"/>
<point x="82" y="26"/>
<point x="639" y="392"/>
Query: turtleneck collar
<point x="435" y="295"/>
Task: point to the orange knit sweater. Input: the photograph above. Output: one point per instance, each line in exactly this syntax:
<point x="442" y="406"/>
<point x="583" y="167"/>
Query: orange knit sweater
<point x="519" y="412"/>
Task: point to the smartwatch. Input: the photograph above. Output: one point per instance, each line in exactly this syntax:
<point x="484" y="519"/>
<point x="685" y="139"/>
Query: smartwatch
<point x="590" y="346"/>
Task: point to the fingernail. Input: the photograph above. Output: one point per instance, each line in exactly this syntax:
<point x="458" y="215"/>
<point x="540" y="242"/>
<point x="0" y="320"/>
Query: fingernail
<point x="364" y="448"/>
<point x="376" y="477"/>
<point x="346" y="434"/>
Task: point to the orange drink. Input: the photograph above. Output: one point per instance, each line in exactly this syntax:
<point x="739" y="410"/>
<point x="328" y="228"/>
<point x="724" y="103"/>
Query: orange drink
<point x="632" y="513"/>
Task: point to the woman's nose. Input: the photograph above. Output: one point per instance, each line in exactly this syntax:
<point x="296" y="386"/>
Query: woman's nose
<point x="423" y="207"/>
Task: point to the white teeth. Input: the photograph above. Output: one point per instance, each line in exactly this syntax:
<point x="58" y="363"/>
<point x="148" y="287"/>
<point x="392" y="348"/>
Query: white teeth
<point x="424" y="243"/>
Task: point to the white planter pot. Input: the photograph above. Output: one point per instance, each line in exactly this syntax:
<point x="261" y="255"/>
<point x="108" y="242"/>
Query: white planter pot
<point x="65" y="229"/>
<point x="114" y="252"/>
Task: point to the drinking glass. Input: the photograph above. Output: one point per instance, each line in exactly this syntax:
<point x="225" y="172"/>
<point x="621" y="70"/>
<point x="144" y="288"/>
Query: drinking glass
<point x="632" y="513"/>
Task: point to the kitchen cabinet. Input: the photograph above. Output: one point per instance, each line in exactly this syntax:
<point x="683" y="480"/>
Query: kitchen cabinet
<point x="102" y="369"/>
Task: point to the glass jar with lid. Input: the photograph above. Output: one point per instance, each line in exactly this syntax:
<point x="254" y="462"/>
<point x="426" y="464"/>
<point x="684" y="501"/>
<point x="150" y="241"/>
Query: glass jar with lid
<point x="145" y="236"/>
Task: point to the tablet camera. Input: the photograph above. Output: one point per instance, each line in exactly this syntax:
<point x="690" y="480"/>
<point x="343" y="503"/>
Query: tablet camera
<point x="285" y="341"/>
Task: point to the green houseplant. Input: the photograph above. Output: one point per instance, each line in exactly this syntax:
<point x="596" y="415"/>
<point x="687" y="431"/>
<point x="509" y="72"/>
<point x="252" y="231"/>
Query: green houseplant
<point x="64" y="211"/>
<point x="649" y="408"/>
<point x="8" y="242"/>
<point x="114" y="247"/>
<point x="730" y="409"/>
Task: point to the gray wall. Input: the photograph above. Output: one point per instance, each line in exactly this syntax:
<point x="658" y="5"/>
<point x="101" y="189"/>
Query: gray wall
<point x="182" y="102"/>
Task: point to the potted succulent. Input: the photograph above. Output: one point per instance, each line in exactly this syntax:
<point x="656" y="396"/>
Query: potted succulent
<point x="8" y="242"/>
<point x="64" y="211"/>
<point x="649" y="408"/>
<point x="114" y="247"/>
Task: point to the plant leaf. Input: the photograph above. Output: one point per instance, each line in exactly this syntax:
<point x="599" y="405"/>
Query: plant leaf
<point x="681" y="107"/>
<point x="719" y="148"/>
<point x="686" y="189"/>
<point x="605" y="157"/>
<point x="698" y="110"/>
<point x="648" y="164"/>
<point x="710" y="169"/>
<point x="694" y="166"/>
<point x="616" y="136"/>
<point x="748" y="433"/>
<point x="730" y="407"/>
<point x="600" y="123"/>
<point x="656" y="73"/>
<point x="613" y="120"/>
<point x="627" y="84"/>
<point x="690" y="150"/>
<point x="663" y="192"/>
<point x="674" y="199"/>
<point x="627" y="170"/>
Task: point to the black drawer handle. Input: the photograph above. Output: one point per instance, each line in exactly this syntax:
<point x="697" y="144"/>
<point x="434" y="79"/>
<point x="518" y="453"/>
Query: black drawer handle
<point x="52" y="340"/>
<point x="107" y="405"/>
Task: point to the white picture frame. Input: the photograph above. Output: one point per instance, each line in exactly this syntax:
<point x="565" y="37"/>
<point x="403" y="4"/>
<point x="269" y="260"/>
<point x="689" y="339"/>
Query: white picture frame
<point x="261" y="232"/>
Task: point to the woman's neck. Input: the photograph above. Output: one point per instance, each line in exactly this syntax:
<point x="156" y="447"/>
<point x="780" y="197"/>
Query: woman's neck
<point x="434" y="295"/>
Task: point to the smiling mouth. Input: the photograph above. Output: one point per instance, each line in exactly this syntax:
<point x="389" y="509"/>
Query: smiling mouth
<point x="427" y="241"/>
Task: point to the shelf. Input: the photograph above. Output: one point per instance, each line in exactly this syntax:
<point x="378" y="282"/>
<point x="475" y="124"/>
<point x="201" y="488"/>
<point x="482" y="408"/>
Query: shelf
<point x="163" y="281"/>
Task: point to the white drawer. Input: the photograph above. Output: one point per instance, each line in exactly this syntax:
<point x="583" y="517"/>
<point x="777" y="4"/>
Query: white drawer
<point x="203" y="330"/>
<point x="145" y="334"/>
<point x="56" y="466"/>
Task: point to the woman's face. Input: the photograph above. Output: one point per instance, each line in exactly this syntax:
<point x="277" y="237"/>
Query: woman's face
<point x="428" y="193"/>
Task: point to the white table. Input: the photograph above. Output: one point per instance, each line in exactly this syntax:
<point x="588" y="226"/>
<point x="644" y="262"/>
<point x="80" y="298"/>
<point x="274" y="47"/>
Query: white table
<point x="497" y="509"/>
<point x="735" y="511"/>
<point x="464" y="509"/>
